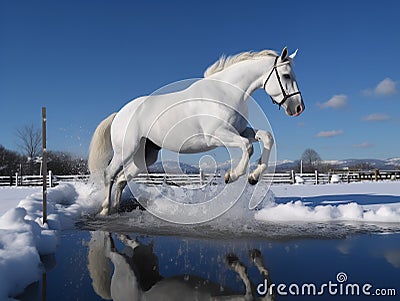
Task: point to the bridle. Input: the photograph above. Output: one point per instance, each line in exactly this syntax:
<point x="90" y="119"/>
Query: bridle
<point x="285" y="95"/>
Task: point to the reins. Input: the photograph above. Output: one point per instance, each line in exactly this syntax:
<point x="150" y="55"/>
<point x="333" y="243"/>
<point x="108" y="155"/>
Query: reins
<point x="285" y="95"/>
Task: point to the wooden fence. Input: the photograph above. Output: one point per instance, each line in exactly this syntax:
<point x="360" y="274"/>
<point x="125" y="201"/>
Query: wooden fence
<point x="204" y="178"/>
<point x="151" y="179"/>
<point x="28" y="180"/>
<point x="335" y="176"/>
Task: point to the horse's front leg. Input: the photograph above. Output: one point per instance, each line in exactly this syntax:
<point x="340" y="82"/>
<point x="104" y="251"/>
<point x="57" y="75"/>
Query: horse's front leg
<point x="234" y="263"/>
<point x="257" y="258"/>
<point x="128" y="241"/>
<point x="267" y="141"/>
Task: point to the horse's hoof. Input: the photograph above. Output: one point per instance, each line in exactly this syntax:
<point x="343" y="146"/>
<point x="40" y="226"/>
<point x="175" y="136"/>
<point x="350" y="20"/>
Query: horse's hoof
<point x="253" y="254"/>
<point x="230" y="177"/>
<point x="104" y="212"/>
<point x="232" y="260"/>
<point x="227" y="177"/>
<point x="252" y="181"/>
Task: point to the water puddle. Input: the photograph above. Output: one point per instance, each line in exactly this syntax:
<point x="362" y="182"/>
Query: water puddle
<point x="102" y="265"/>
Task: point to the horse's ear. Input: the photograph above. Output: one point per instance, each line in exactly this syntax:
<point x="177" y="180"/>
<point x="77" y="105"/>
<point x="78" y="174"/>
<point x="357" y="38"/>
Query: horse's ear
<point x="292" y="56"/>
<point x="284" y="54"/>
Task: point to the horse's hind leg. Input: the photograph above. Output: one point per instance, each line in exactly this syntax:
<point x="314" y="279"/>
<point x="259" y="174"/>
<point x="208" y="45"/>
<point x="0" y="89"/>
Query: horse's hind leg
<point x="119" y="187"/>
<point x="110" y="173"/>
<point x="144" y="156"/>
<point x="114" y="168"/>
<point x="129" y="171"/>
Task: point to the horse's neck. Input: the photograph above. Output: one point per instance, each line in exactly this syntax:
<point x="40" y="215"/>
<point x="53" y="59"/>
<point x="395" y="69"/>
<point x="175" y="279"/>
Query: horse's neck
<point x="247" y="75"/>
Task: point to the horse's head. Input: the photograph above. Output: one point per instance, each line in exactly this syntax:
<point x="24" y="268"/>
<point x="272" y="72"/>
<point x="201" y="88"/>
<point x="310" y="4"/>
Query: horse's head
<point x="280" y="83"/>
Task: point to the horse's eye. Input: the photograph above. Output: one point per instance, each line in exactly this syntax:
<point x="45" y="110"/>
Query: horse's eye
<point x="287" y="76"/>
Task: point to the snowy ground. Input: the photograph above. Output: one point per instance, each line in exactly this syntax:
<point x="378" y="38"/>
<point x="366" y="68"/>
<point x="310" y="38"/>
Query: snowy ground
<point x="10" y="196"/>
<point x="23" y="237"/>
<point x="376" y="188"/>
<point x="342" y="208"/>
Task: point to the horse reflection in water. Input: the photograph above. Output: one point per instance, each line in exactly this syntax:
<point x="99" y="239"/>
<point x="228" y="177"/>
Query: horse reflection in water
<point x="133" y="274"/>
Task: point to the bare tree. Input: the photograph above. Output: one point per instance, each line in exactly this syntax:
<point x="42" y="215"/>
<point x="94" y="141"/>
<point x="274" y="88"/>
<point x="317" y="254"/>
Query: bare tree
<point x="311" y="160"/>
<point x="30" y="141"/>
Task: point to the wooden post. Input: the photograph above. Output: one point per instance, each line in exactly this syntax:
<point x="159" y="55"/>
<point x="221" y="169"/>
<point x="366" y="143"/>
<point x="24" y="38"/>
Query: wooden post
<point x="50" y="175"/>
<point x="316" y="177"/>
<point x="301" y="167"/>
<point x="44" y="165"/>
<point x="202" y="178"/>
<point x="376" y="171"/>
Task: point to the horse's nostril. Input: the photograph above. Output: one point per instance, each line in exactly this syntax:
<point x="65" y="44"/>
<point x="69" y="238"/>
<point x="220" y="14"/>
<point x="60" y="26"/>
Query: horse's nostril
<point x="299" y="109"/>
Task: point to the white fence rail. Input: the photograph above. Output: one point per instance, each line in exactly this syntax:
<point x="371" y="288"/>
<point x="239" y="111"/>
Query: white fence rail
<point x="28" y="180"/>
<point x="204" y="178"/>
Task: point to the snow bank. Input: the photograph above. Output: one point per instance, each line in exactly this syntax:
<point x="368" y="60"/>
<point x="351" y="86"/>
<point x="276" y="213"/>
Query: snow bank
<point x="23" y="236"/>
<point x="19" y="258"/>
<point x="301" y="211"/>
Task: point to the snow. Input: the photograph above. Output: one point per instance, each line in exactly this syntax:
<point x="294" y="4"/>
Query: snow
<point x="335" y="179"/>
<point x="23" y="236"/>
<point x="367" y="187"/>
<point x="298" y="210"/>
<point x="10" y="196"/>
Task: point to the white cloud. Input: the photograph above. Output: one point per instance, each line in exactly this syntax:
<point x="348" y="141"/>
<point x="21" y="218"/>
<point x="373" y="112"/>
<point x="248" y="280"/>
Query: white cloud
<point x="385" y="87"/>
<point x="363" y="145"/>
<point x="336" y="102"/>
<point x="332" y="133"/>
<point x="376" y="117"/>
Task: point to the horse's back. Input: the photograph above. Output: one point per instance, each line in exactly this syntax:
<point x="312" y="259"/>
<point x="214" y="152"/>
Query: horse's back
<point x="183" y="121"/>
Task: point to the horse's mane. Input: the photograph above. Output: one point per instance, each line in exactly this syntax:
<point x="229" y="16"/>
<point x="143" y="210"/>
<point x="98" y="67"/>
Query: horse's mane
<point x="225" y="62"/>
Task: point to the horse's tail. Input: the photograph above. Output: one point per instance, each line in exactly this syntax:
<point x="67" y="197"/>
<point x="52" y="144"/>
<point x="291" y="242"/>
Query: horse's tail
<point x="100" y="151"/>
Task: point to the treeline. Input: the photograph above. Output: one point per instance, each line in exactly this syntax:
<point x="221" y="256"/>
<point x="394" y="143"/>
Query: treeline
<point x="310" y="161"/>
<point x="60" y="163"/>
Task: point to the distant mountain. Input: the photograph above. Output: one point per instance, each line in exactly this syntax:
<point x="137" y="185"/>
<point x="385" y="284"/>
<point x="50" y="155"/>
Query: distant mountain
<point x="391" y="163"/>
<point x="286" y="165"/>
<point x="172" y="167"/>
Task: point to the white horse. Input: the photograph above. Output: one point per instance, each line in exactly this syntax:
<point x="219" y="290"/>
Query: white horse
<point x="211" y="112"/>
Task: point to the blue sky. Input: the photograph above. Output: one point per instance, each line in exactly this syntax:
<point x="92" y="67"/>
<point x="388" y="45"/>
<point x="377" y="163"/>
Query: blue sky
<point x="86" y="59"/>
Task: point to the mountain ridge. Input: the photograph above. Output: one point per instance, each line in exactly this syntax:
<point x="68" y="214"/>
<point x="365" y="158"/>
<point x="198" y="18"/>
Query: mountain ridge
<point x="388" y="164"/>
<point x="283" y="165"/>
